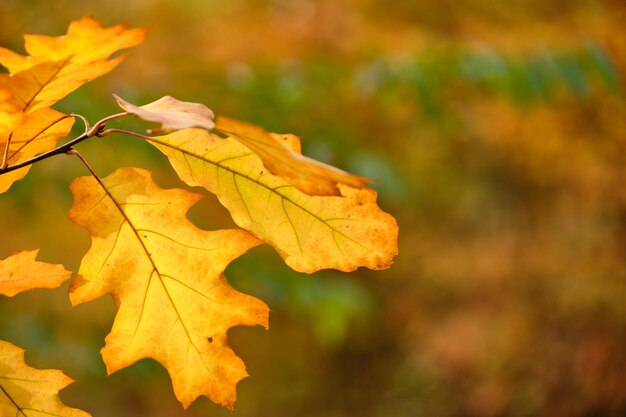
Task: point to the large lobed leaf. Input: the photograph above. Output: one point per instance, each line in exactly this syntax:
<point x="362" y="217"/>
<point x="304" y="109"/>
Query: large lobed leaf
<point x="309" y="232"/>
<point x="166" y="277"/>
<point x="29" y="392"/>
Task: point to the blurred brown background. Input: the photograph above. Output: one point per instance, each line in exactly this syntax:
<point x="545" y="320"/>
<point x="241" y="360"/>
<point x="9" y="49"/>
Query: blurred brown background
<point x="497" y="133"/>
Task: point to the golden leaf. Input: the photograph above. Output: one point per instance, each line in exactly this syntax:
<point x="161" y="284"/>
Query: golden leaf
<point x="37" y="132"/>
<point x="166" y="277"/>
<point x="56" y="67"/>
<point x="10" y="112"/>
<point x="29" y="392"/>
<point x="309" y="232"/>
<point x="21" y="272"/>
<point x="171" y="113"/>
<point x="59" y="65"/>
<point x="308" y="175"/>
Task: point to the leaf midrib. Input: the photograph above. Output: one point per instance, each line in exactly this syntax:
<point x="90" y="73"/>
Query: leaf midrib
<point x="155" y="269"/>
<point x="43" y="85"/>
<point x="17" y="406"/>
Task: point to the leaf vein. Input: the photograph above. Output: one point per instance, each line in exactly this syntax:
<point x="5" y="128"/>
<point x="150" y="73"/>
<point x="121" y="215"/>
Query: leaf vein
<point x="187" y="153"/>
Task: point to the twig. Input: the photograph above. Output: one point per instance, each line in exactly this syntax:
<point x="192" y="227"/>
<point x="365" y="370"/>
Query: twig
<point x="90" y="132"/>
<point x="56" y="151"/>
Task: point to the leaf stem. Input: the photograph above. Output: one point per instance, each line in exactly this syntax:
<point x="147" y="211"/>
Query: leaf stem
<point x="127" y="132"/>
<point x="56" y="151"/>
<point x="83" y="118"/>
<point x="74" y="152"/>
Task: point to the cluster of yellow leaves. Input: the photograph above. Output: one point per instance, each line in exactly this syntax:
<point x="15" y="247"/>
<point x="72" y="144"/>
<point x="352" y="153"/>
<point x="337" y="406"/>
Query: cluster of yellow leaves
<point x="55" y="67"/>
<point x="166" y="276"/>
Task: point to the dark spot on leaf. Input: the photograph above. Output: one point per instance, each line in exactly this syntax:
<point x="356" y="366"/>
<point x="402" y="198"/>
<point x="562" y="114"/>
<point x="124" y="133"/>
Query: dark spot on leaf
<point x="210" y="340"/>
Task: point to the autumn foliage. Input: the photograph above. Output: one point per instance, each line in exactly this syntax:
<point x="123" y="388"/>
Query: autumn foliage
<point x="166" y="275"/>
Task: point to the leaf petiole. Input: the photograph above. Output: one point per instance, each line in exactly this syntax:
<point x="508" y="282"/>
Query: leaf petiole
<point x="126" y="132"/>
<point x="74" y="152"/>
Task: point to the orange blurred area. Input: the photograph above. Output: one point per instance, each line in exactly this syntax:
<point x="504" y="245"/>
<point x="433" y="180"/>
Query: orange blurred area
<point x="497" y="134"/>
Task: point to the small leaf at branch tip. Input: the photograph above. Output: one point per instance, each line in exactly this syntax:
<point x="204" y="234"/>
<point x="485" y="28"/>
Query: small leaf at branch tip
<point x="171" y="113"/>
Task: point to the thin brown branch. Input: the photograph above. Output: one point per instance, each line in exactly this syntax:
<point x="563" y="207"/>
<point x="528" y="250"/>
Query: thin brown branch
<point x="90" y="132"/>
<point x="56" y="151"/>
<point x="37" y="135"/>
<point x="5" y="159"/>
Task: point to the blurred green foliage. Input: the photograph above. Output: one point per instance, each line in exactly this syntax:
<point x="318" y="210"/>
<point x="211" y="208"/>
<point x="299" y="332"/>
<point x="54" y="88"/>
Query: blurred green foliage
<point x="497" y="134"/>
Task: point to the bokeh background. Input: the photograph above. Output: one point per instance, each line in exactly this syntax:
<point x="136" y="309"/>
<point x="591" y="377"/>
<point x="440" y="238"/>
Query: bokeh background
<point x="497" y="133"/>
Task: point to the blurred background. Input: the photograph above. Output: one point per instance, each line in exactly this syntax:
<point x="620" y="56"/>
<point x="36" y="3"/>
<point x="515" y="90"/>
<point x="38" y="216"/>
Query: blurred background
<point x="497" y="134"/>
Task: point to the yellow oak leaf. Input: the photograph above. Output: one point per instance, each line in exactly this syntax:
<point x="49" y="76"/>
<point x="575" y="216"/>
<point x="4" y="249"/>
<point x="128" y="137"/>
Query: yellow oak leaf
<point x="309" y="232"/>
<point x="173" y="114"/>
<point x="59" y="65"/>
<point x="29" y="392"/>
<point x="308" y="175"/>
<point x="166" y="277"/>
<point x="37" y="132"/>
<point x="21" y="272"/>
